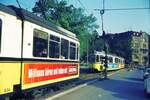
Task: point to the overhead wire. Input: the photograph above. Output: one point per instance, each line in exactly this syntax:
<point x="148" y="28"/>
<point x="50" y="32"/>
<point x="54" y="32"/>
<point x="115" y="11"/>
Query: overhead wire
<point x="83" y="6"/>
<point x="18" y="4"/>
<point x="122" y="9"/>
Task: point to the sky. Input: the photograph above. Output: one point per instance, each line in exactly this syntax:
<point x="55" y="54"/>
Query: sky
<point x="114" y="21"/>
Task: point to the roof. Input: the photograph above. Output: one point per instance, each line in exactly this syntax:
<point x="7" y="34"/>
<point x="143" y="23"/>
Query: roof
<point x="7" y="9"/>
<point x="26" y="15"/>
<point x="103" y="53"/>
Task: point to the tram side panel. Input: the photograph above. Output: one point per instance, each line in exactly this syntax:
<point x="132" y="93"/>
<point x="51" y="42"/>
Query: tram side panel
<point x="113" y="66"/>
<point x="39" y="71"/>
<point x="35" y="74"/>
<point x="10" y="52"/>
<point x="111" y="63"/>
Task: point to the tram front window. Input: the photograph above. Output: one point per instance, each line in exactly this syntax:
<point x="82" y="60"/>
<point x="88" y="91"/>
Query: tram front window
<point x="40" y="44"/>
<point x="97" y="58"/>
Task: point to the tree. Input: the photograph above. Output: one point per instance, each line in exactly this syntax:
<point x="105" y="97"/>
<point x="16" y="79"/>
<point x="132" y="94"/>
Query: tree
<point x="120" y="44"/>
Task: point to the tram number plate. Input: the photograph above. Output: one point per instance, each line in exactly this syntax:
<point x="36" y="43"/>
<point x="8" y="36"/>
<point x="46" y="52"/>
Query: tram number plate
<point x="6" y="89"/>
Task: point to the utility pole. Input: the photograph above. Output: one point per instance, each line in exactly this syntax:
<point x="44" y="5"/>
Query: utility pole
<point x="105" y="45"/>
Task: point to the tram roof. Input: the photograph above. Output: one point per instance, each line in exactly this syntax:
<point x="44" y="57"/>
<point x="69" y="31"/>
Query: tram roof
<point x="103" y="53"/>
<point x="26" y="15"/>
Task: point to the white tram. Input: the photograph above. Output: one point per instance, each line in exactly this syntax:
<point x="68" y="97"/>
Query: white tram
<point x="34" y="52"/>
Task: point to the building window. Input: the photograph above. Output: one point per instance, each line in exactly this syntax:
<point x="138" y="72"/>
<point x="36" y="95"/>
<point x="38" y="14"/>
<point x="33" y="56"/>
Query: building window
<point x="135" y="51"/>
<point x="64" y="48"/>
<point x="40" y="43"/>
<point x="54" y="47"/>
<point x="0" y="32"/>
<point x="144" y="46"/>
<point x="136" y="45"/>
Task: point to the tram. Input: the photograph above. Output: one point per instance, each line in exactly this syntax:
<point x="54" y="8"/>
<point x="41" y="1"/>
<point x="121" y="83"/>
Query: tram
<point x="114" y="62"/>
<point x="34" y="52"/>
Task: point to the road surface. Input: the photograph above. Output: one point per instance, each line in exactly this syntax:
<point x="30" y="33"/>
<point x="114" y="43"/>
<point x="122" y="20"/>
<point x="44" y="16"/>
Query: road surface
<point x="123" y="85"/>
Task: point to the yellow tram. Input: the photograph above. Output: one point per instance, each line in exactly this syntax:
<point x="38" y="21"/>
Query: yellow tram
<point x="97" y="61"/>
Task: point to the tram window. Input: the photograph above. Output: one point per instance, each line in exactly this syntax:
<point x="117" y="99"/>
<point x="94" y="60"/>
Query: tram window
<point x="102" y="59"/>
<point x="119" y="60"/>
<point x="54" y="47"/>
<point x="72" y="50"/>
<point x="110" y="59"/>
<point x="0" y="32"/>
<point x="64" y="48"/>
<point x="116" y="60"/>
<point x="40" y="43"/>
<point x="77" y="51"/>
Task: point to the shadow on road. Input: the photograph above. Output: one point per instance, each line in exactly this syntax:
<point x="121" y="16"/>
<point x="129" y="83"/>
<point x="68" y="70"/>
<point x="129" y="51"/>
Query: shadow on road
<point x="134" y="79"/>
<point x="123" y="89"/>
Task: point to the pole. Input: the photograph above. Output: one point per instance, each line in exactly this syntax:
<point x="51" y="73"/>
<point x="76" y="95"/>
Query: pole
<point x="105" y="44"/>
<point x="105" y="50"/>
<point x="106" y="59"/>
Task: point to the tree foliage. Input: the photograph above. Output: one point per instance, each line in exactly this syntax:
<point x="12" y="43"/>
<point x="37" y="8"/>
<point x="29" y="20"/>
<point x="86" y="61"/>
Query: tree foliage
<point x="120" y="44"/>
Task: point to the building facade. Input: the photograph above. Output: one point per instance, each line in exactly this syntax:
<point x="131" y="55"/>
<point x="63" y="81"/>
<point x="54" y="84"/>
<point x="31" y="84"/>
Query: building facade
<point x="140" y="48"/>
<point x="133" y="46"/>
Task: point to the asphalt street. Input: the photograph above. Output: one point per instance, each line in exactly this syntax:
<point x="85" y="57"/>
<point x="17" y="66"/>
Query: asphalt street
<point x="122" y="85"/>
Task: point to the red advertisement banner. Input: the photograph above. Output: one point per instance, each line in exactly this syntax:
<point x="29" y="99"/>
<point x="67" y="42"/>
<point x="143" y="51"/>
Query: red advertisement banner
<point x="43" y="72"/>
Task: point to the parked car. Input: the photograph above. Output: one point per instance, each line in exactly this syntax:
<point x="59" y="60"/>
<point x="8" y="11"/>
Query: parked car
<point x="145" y="72"/>
<point x="146" y="77"/>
